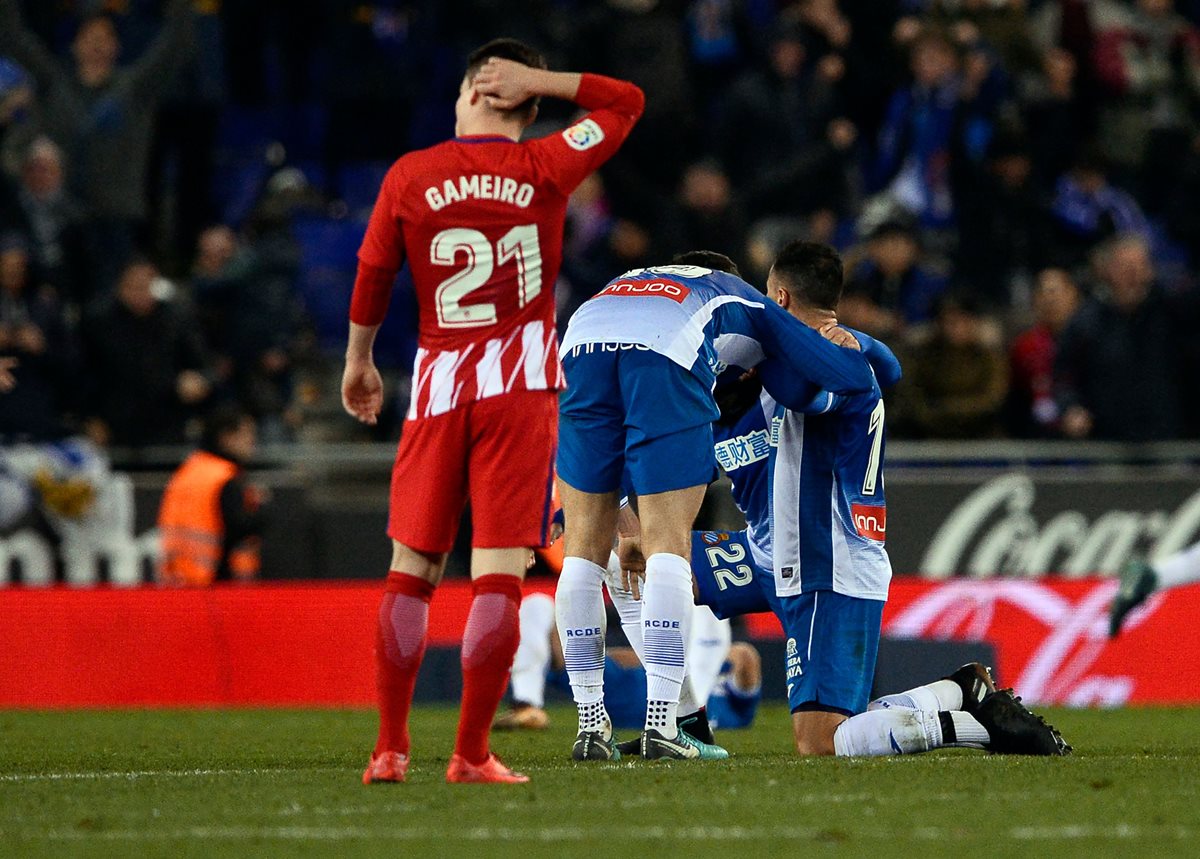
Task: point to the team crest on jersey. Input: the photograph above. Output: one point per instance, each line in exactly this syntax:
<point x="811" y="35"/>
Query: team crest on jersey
<point x="870" y="521"/>
<point x="583" y="135"/>
<point x="711" y="538"/>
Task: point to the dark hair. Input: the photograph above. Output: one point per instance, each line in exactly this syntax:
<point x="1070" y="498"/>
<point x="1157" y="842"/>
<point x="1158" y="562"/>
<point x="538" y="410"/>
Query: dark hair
<point x="223" y="419"/>
<point x="812" y="273"/>
<point x="507" y="49"/>
<point x="707" y="259"/>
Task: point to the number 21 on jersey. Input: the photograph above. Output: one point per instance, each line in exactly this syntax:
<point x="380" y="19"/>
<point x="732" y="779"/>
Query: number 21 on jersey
<point x="451" y="247"/>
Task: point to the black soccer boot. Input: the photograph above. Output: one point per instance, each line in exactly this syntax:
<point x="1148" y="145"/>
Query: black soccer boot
<point x="682" y="747"/>
<point x="1014" y="730"/>
<point x="695" y="724"/>
<point x="976" y="683"/>
<point x="591" y="746"/>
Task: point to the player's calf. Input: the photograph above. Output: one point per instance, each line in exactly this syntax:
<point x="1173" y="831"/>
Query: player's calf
<point x="814" y="729"/>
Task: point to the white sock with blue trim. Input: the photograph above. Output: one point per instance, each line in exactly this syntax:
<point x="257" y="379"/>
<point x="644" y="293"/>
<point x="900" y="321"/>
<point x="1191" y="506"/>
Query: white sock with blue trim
<point x="936" y="696"/>
<point x="902" y="731"/>
<point x="666" y="621"/>
<point x="877" y="733"/>
<point x="579" y="611"/>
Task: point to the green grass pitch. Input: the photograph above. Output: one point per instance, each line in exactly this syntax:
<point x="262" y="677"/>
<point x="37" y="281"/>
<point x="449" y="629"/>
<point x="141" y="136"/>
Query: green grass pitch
<point x="286" y="783"/>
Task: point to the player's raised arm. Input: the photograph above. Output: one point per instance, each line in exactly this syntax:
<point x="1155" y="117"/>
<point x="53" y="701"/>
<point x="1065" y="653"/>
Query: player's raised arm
<point x="614" y="107"/>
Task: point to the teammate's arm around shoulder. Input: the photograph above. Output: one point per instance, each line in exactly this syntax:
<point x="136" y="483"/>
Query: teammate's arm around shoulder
<point x="614" y="107"/>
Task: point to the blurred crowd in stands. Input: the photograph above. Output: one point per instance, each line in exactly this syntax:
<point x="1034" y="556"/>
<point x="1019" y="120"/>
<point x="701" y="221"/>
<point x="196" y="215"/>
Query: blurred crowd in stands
<point x="1013" y="185"/>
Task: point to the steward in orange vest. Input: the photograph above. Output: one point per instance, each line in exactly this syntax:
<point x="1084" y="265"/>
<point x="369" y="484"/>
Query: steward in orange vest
<point x="211" y="520"/>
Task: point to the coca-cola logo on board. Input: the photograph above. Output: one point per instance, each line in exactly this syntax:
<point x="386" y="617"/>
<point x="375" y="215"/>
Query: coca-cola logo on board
<point x="994" y="531"/>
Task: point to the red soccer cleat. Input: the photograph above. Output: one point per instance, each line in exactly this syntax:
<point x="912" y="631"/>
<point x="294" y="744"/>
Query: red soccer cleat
<point x="491" y="771"/>
<point x="386" y="766"/>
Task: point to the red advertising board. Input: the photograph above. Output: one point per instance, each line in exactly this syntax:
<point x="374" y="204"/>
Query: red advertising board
<point x="310" y="644"/>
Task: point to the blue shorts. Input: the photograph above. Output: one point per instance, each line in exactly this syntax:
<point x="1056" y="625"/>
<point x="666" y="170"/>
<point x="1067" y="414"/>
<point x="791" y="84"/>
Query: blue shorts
<point x="832" y="642"/>
<point x="729" y="581"/>
<point x="729" y="706"/>
<point x="628" y="409"/>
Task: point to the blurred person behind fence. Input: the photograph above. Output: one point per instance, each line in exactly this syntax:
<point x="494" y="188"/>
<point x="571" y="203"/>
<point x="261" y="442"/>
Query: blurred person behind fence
<point x="148" y="365"/>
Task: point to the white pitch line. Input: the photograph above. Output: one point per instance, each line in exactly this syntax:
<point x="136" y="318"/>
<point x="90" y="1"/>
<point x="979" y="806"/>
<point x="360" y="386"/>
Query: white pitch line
<point x="132" y="775"/>
<point x="560" y="834"/>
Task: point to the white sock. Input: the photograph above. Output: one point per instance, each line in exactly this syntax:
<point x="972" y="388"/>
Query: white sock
<point x="708" y="648"/>
<point x="666" y="619"/>
<point x="689" y="701"/>
<point x="876" y="733"/>
<point x="968" y="733"/>
<point x="629" y="609"/>
<point x="903" y="731"/>
<point x="533" y="653"/>
<point x="630" y="612"/>
<point x="579" y="608"/>
<point x="1179" y="569"/>
<point x="936" y="696"/>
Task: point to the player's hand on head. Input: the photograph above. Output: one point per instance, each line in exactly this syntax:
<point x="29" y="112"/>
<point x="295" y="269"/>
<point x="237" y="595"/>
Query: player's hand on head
<point x="504" y="83"/>
<point x="839" y="336"/>
<point x="362" y="392"/>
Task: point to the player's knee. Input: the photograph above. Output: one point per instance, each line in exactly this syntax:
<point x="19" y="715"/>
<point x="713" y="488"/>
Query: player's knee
<point x="814" y="745"/>
<point x="423" y="565"/>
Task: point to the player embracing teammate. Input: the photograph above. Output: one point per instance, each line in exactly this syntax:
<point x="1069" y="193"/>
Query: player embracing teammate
<point x="479" y="219"/>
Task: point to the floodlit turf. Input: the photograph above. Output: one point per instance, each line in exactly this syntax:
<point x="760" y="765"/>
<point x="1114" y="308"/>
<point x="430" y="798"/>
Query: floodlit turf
<point x="253" y="783"/>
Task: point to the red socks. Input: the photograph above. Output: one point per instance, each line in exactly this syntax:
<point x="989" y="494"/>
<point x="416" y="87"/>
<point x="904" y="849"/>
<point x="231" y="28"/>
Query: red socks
<point x="399" y="648"/>
<point x="489" y="645"/>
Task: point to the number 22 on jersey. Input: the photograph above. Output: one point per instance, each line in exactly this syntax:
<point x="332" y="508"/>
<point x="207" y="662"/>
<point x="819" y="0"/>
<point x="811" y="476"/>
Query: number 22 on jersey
<point x="520" y="244"/>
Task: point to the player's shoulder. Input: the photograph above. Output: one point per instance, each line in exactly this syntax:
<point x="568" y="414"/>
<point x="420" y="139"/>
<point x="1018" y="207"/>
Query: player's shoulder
<point x="417" y="159"/>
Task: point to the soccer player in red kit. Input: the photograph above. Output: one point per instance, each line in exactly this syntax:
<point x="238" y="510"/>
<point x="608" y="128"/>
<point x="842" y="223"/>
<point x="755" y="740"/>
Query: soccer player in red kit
<point x="480" y="221"/>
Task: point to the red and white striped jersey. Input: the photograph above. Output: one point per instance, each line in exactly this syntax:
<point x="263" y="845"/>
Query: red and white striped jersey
<point x="525" y="359"/>
<point x="480" y="221"/>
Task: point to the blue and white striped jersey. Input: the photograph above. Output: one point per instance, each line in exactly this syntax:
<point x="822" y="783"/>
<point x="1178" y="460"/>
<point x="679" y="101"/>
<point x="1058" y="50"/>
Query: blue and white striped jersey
<point x="743" y="450"/>
<point x="705" y="321"/>
<point x="747" y="451"/>
<point x="829" y="515"/>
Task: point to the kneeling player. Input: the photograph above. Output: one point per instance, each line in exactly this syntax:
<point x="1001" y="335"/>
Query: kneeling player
<point x="832" y="571"/>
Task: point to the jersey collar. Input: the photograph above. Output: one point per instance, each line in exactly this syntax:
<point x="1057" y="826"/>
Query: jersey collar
<point x="484" y="138"/>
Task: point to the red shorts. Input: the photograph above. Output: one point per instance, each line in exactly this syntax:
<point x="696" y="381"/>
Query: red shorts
<point x="498" y="453"/>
